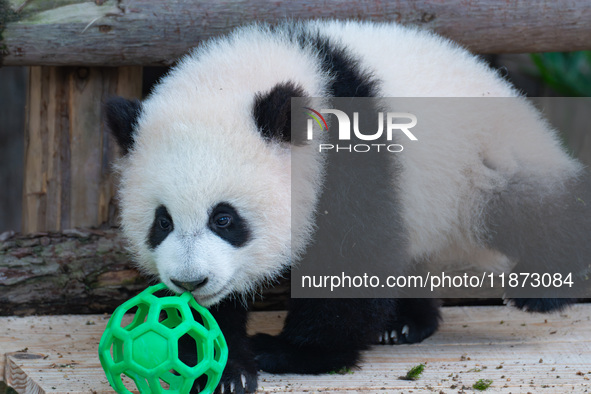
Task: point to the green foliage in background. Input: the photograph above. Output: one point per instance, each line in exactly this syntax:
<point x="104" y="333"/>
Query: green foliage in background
<point x="568" y="73"/>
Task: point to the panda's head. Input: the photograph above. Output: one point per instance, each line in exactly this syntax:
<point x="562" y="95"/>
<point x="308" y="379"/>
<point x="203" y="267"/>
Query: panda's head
<point x="205" y="190"/>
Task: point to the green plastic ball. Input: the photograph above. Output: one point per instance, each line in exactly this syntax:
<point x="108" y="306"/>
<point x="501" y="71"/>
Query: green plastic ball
<point x="147" y="348"/>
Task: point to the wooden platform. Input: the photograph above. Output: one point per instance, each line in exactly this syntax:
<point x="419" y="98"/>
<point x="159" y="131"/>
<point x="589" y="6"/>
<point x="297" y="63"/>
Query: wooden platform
<point x="519" y="352"/>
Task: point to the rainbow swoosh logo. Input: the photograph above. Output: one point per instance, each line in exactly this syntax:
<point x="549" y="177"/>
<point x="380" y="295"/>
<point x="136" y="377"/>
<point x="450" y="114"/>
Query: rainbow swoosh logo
<point x="318" y="118"/>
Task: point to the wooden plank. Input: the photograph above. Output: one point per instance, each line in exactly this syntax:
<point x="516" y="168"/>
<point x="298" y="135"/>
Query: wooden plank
<point x="154" y="32"/>
<point x="68" y="153"/>
<point x="17" y="377"/>
<point x="520" y="352"/>
<point x="42" y="171"/>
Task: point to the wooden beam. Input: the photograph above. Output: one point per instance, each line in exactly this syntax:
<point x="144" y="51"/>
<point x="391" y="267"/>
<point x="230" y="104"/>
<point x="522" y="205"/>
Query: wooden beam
<point x="68" y="180"/>
<point x="154" y="32"/>
<point x="520" y="352"/>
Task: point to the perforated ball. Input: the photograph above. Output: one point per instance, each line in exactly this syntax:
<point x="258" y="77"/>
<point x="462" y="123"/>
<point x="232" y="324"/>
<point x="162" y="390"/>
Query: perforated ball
<point x="146" y="349"/>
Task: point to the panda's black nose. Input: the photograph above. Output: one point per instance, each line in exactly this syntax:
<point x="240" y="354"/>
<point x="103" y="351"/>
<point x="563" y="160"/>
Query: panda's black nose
<point x="192" y="285"/>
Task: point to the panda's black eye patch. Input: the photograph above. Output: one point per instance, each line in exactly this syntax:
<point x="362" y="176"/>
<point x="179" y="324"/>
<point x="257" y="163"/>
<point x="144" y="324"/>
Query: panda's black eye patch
<point x="225" y="221"/>
<point x="161" y="227"/>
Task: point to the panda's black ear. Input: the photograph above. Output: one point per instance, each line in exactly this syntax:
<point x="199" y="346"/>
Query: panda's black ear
<point x="121" y="116"/>
<point x="272" y="111"/>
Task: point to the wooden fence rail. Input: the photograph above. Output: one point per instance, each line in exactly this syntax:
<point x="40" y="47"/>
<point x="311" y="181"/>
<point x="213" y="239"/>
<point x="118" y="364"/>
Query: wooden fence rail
<point x="152" y="32"/>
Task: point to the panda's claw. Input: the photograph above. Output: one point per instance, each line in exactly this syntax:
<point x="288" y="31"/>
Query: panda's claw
<point x="243" y="380"/>
<point x="380" y="339"/>
<point x="405" y="330"/>
<point x="393" y="336"/>
<point x="232" y="387"/>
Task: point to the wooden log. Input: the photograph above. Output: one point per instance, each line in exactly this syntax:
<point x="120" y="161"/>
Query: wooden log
<point x="154" y="32"/>
<point x="68" y="180"/>
<point x="79" y="271"/>
<point x="76" y="271"/>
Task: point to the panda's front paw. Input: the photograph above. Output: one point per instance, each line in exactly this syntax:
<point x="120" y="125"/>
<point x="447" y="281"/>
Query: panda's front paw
<point x="415" y="320"/>
<point x="238" y="379"/>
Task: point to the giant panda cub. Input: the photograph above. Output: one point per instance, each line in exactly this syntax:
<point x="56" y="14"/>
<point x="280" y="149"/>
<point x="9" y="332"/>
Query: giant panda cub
<point x="206" y="184"/>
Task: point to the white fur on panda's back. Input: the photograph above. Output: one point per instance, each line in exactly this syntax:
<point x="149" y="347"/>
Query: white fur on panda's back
<point x="449" y="172"/>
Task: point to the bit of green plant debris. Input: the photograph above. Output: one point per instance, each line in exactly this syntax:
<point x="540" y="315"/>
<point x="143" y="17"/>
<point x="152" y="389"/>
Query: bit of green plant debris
<point x="342" y="371"/>
<point x="482" y="384"/>
<point x="414" y="373"/>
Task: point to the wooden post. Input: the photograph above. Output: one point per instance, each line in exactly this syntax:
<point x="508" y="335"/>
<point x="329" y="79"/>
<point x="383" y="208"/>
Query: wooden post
<point x="68" y="180"/>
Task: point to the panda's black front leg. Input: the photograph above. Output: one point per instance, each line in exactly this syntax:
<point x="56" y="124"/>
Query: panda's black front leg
<point x="322" y="335"/>
<point x="240" y="374"/>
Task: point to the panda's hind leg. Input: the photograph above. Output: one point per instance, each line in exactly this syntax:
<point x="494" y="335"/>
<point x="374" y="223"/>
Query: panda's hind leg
<point x="545" y="233"/>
